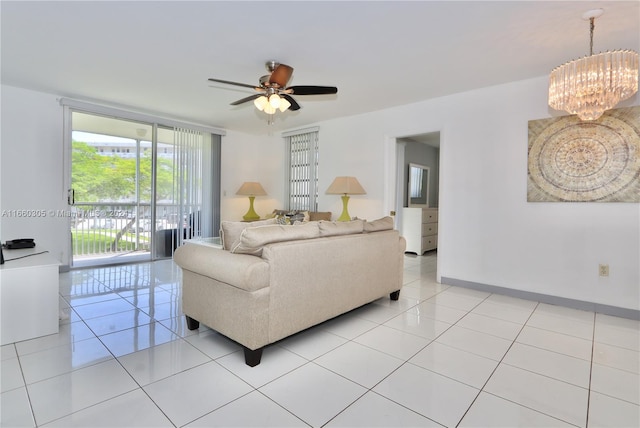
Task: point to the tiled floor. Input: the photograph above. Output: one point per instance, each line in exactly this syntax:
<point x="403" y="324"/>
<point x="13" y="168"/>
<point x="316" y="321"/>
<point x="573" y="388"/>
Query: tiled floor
<point x="440" y="356"/>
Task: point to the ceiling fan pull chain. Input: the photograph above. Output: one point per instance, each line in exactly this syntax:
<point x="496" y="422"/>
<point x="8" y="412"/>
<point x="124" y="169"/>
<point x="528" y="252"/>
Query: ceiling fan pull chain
<point x="592" y="20"/>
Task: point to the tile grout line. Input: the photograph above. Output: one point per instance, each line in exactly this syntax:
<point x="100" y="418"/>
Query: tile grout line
<point x="539" y="374"/>
<point x="593" y="345"/>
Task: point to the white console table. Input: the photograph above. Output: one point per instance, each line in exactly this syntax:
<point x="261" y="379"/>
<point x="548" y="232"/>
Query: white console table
<point x="29" y="290"/>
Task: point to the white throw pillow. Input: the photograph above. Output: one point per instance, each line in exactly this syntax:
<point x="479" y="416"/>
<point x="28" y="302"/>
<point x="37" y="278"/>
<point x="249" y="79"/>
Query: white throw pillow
<point x="253" y="239"/>
<point x="230" y="231"/>
<point x="384" y="223"/>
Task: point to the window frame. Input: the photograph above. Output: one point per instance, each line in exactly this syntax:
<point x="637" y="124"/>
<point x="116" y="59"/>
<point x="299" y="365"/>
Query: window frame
<point x="301" y="182"/>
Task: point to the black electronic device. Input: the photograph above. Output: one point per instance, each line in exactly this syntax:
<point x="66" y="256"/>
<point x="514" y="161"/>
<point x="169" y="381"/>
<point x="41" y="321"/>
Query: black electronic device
<point x="16" y="244"/>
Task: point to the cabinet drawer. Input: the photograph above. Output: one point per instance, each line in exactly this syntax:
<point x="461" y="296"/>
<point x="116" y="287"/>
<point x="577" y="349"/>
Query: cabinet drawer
<point x="429" y="242"/>
<point x="429" y="229"/>
<point x="429" y="215"/>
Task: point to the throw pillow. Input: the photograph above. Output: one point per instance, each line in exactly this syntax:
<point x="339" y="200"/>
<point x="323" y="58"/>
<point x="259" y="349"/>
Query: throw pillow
<point x="293" y="216"/>
<point x="320" y="215"/>
<point x="332" y="228"/>
<point x="296" y="217"/>
<point x="282" y="219"/>
<point x="230" y="231"/>
<point x="253" y="239"/>
<point x="384" y="223"/>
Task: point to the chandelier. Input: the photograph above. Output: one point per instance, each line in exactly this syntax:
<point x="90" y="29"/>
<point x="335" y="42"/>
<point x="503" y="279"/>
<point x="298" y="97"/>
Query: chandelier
<point x="590" y="85"/>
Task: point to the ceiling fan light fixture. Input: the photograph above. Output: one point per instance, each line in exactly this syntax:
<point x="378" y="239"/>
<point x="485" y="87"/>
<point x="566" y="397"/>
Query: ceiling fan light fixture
<point x="261" y="102"/>
<point x="284" y="104"/>
<point x="269" y="109"/>
<point x="274" y="101"/>
<point x="591" y="85"/>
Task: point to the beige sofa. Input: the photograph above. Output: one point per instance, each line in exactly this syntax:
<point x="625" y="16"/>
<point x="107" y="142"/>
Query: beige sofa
<point x="273" y="280"/>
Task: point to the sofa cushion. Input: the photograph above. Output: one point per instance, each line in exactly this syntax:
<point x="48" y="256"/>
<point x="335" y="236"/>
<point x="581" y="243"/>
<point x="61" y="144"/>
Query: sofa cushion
<point x="333" y="228"/>
<point x="384" y="223"/>
<point x="230" y="231"/>
<point x="253" y="239"/>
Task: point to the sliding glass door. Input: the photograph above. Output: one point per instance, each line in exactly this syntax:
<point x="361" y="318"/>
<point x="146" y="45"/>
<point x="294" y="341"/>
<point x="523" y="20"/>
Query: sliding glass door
<point x="138" y="189"/>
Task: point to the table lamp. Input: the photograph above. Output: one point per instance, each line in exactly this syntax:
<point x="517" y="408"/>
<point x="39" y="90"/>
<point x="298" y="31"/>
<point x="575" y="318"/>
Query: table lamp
<point x="345" y="186"/>
<point x="251" y="189"/>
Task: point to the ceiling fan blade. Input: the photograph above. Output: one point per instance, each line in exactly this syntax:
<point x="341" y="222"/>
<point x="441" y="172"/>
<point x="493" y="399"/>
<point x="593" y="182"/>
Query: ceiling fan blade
<point x="244" y="100"/>
<point x="227" y="82"/>
<point x="294" y="104"/>
<point x="281" y="75"/>
<point x="312" y="90"/>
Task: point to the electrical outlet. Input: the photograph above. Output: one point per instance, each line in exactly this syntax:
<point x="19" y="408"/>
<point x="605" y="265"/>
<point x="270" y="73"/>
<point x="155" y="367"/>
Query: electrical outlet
<point x="392" y="213"/>
<point x="603" y="270"/>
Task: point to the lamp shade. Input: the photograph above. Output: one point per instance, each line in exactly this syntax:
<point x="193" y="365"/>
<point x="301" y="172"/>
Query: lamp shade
<point x="346" y="186"/>
<point x="251" y="188"/>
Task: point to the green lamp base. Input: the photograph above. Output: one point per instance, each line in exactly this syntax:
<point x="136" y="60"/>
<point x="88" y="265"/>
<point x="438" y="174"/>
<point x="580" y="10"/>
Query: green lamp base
<point x="345" y="212"/>
<point x="251" y="215"/>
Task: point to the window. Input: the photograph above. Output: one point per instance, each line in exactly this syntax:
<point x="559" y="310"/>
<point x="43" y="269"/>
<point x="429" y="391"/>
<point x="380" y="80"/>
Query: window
<point x="137" y="204"/>
<point x="302" y="149"/>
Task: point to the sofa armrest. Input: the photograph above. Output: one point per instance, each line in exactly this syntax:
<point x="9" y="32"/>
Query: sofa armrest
<point x="243" y="271"/>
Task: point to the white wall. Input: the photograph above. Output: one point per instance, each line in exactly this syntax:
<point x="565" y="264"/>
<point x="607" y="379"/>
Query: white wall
<point x="246" y="157"/>
<point x="488" y="232"/>
<point x="31" y="178"/>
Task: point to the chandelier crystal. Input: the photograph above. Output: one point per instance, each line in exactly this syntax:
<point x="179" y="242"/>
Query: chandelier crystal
<point x="590" y="85"/>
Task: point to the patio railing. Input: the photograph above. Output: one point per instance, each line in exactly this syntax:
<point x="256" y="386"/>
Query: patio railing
<point x="99" y="230"/>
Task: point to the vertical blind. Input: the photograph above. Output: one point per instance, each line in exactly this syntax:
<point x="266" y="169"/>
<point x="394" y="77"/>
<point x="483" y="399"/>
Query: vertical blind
<point x="303" y="170"/>
<point x="193" y="179"/>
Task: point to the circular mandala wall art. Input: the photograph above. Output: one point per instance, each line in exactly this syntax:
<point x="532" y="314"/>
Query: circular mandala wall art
<point x="585" y="161"/>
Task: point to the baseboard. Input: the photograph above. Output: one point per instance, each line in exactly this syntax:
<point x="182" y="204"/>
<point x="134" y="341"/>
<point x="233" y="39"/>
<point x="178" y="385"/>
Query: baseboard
<point x="546" y="298"/>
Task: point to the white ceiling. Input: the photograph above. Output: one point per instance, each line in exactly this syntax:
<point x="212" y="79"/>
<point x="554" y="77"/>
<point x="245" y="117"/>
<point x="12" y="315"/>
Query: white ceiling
<point x="156" y="56"/>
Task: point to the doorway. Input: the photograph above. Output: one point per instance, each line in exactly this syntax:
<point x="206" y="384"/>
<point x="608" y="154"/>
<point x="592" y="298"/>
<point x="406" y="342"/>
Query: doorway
<point x="417" y="192"/>
<point x="423" y="150"/>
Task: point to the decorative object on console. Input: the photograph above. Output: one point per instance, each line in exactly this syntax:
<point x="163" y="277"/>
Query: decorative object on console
<point x="345" y="186"/>
<point x="590" y="85"/>
<point x="574" y="161"/>
<point x="286" y="216"/>
<point x="251" y="189"/>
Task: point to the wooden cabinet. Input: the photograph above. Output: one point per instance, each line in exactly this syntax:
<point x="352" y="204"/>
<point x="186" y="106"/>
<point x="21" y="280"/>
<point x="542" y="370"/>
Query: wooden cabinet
<point x="420" y="229"/>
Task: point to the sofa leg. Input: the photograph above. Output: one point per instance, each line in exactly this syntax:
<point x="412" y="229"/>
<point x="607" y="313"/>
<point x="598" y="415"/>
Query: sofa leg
<point x="191" y="323"/>
<point x="252" y="356"/>
<point x="395" y="295"/>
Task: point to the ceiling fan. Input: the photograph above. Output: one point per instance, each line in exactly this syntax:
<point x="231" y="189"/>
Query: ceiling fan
<point x="273" y="92"/>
